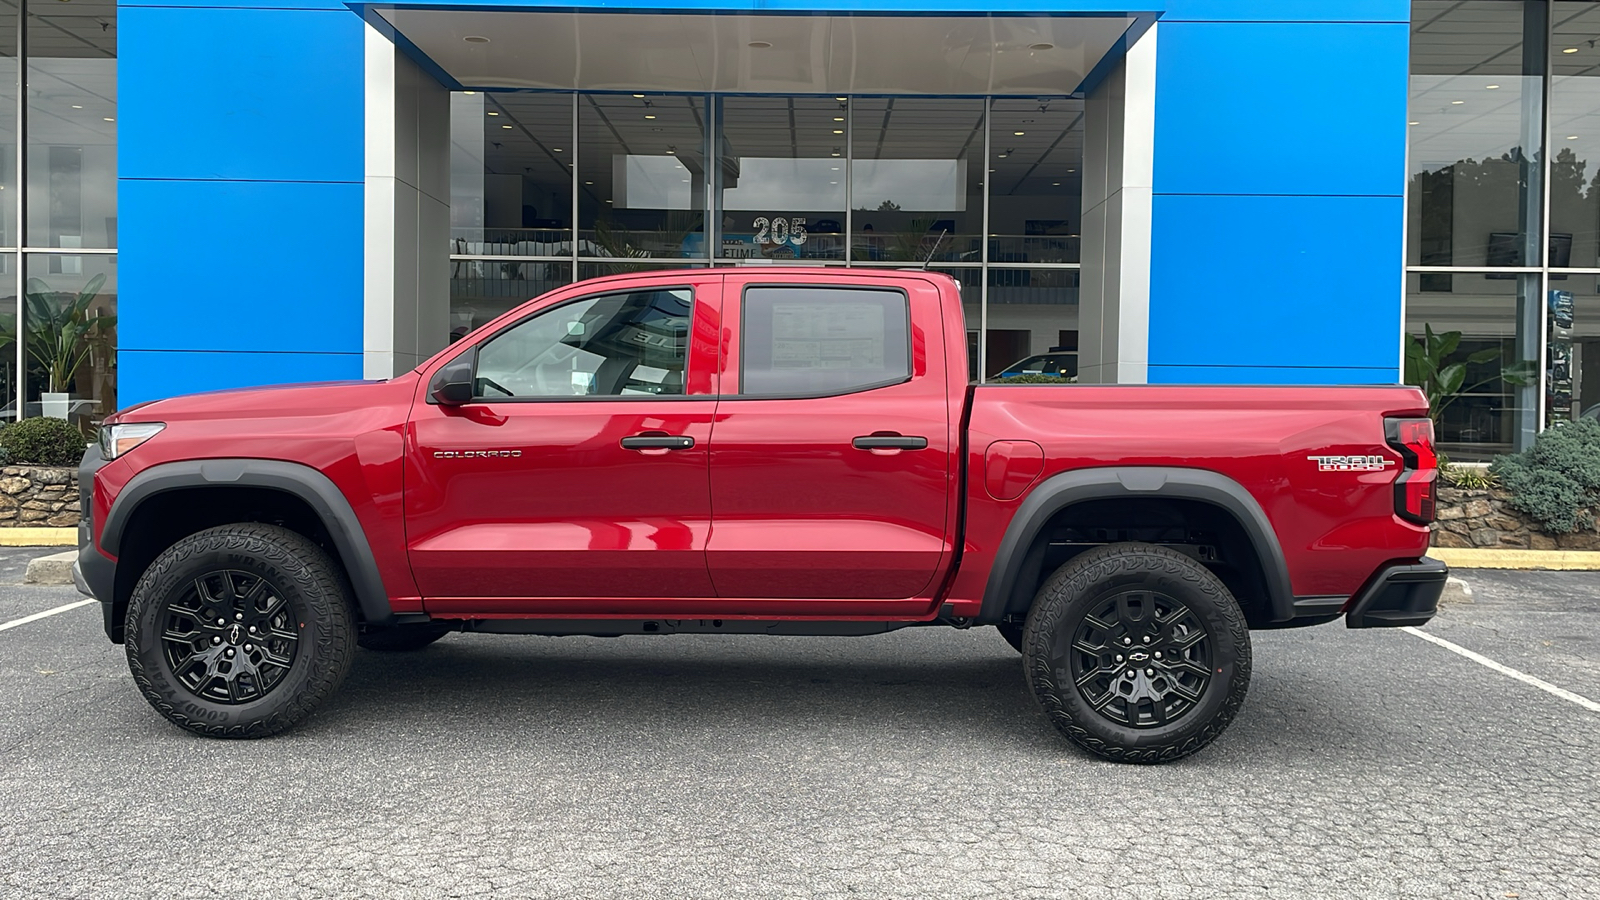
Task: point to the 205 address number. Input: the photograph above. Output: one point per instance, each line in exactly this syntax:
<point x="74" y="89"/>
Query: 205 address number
<point x="780" y="230"/>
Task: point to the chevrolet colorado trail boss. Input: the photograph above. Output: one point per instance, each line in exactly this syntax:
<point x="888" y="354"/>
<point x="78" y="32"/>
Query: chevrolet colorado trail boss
<point x="756" y="451"/>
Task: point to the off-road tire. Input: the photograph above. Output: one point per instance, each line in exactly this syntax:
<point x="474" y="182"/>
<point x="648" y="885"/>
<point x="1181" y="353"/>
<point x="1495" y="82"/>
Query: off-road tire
<point x="402" y="638"/>
<point x="1012" y="632"/>
<point x="1081" y="586"/>
<point x="317" y="607"/>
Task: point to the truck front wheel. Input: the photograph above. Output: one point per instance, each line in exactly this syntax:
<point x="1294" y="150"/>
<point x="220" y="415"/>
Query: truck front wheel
<point x="239" y="631"/>
<point x="1137" y="653"/>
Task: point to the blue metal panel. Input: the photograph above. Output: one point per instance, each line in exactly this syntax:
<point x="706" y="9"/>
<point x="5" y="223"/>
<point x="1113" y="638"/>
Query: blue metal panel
<point x="240" y="93"/>
<point x="219" y="265"/>
<point x="1288" y="11"/>
<point x="1269" y="375"/>
<point x="1275" y="281"/>
<point x="147" y="375"/>
<point x="1281" y="109"/>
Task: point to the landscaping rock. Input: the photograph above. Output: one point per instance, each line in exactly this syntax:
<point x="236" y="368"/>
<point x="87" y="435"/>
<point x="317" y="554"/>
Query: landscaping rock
<point x="39" y="495"/>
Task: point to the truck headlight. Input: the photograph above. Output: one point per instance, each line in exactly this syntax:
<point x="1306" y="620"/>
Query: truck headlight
<point x="116" y="440"/>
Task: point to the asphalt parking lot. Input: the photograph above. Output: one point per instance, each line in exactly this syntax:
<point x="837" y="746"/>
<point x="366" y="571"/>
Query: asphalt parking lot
<point x="914" y="764"/>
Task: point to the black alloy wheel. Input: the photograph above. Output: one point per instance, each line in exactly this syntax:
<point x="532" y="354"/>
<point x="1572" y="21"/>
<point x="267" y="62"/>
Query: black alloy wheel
<point x="1137" y="653"/>
<point x="229" y="637"/>
<point x="240" y="631"/>
<point x="1140" y="658"/>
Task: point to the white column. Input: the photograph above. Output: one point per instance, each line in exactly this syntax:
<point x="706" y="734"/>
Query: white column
<point x="1118" y="162"/>
<point x="407" y="293"/>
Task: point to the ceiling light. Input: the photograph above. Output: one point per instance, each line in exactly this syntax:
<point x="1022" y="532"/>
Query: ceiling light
<point x="76" y="106"/>
<point x="833" y="154"/>
<point x="672" y="152"/>
<point x="109" y="119"/>
<point x="1570" y="50"/>
<point x="833" y="182"/>
<point x="841" y="99"/>
<point x="835" y="168"/>
<point x="1457" y="102"/>
<point x="838" y="131"/>
<point x="476" y="39"/>
<point x="588" y="182"/>
<point x="649" y="117"/>
<point x="1003" y="156"/>
<point x="638" y="96"/>
<point x="686" y="181"/>
<point x="1491" y="87"/>
<point x="1069" y="171"/>
<point x="556" y="149"/>
<point x="1572" y="137"/>
<point x="838" y="118"/>
<point x="1041" y="46"/>
<point x="468" y="93"/>
<point x="505" y="126"/>
<point x="609" y="201"/>
<point x="1055" y="184"/>
<point x="1018" y="133"/>
<point x="1413" y="123"/>
<point x="494" y="114"/>
<point x="759" y="45"/>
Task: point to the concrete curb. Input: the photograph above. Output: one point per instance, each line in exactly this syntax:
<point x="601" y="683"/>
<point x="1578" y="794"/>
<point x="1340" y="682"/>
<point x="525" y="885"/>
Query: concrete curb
<point x="38" y="537"/>
<point x="1456" y="591"/>
<point x="1558" y="560"/>
<point x="53" y="569"/>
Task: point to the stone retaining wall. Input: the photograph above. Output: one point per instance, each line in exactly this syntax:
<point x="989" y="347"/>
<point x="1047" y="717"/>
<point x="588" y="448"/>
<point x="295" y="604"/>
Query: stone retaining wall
<point x="38" y="496"/>
<point x="1484" y="518"/>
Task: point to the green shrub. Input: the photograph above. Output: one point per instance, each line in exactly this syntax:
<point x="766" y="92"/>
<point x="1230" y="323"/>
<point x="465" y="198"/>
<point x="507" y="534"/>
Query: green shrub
<point x="42" y="441"/>
<point x="1472" y="478"/>
<point x="1036" y="379"/>
<point x="1557" y="480"/>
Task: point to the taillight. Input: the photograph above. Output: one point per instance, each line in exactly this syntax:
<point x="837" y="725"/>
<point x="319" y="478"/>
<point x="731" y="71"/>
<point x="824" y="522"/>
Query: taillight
<point x="1414" y="489"/>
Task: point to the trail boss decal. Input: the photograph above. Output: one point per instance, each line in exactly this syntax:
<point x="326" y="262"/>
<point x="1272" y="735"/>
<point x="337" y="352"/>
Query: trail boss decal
<point x="1351" y="463"/>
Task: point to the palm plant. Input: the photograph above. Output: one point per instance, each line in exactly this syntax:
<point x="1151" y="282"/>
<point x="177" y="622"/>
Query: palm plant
<point x="1445" y="382"/>
<point x="60" y="333"/>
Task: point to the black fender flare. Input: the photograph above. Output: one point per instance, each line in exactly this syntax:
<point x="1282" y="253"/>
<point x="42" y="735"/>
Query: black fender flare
<point x="1130" y="482"/>
<point x="308" y="484"/>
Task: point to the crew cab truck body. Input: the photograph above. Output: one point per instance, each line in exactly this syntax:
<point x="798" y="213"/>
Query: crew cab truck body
<point x="771" y="451"/>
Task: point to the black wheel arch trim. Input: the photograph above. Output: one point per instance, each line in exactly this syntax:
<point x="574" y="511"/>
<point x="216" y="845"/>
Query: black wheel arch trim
<point x="1129" y="482"/>
<point x="302" y="481"/>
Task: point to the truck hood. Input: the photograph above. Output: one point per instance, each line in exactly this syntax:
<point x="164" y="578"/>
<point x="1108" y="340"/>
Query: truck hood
<point x="320" y="398"/>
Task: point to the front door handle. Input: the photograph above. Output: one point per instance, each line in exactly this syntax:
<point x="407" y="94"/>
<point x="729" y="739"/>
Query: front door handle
<point x="658" y="442"/>
<point x="889" y="442"/>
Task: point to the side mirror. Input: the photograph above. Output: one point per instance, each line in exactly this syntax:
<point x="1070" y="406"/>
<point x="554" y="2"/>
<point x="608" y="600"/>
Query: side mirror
<point x="452" y="384"/>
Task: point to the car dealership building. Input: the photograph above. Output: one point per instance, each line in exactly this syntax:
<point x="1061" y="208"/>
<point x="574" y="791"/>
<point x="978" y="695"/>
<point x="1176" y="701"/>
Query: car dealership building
<point x="1222" y="191"/>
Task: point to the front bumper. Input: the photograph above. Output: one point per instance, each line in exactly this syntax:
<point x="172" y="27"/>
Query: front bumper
<point x="1400" y="594"/>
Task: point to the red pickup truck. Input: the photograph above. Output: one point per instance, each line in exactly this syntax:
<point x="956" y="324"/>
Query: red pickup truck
<point x="758" y="451"/>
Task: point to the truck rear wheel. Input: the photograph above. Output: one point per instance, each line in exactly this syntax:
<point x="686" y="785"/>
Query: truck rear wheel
<point x="1137" y="653"/>
<point x="240" y="631"/>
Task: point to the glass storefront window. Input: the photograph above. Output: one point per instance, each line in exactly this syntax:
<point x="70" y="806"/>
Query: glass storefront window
<point x="642" y="164"/>
<point x="510" y="174"/>
<point x="1033" y="322"/>
<point x="782" y="177"/>
<point x="8" y="135"/>
<point x="1035" y="203"/>
<point x="8" y="337"/>
<point x="916" y="183"/>
<point x="1475" y="123"/>
<point x="1575" y="136"/>
<point x="481" y="289"/>
<point x="72" y="129"/>
<point x="601" y="269"/>
<point x="1482" y="323"/>
<point x="70" y="336"/>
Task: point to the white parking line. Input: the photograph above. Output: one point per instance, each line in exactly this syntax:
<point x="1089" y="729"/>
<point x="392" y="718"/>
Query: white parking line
<point x="1523" y="677"/>
<point x="50" y="612"/>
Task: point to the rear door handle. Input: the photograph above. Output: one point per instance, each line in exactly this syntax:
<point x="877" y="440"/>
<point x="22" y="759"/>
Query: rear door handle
<point x="889" y="442"/>
<point x="658" y="442"/>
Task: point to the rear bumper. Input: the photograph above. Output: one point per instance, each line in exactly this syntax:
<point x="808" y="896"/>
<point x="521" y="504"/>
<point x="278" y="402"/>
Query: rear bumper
<point x="1400" y="594"/>
<point x="94" y="574"/>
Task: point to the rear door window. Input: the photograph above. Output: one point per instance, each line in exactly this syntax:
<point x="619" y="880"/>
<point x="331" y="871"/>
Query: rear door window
<point x="801" y="341"/>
